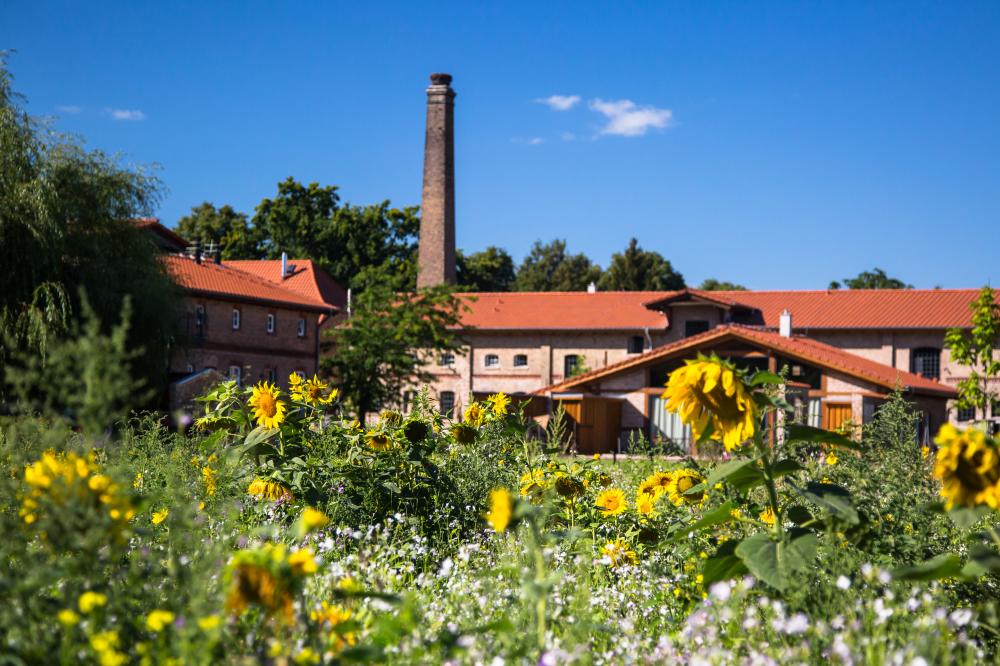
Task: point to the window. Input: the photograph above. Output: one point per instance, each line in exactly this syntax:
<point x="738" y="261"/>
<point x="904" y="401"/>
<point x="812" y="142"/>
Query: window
<point x="408" y="401"/>
<point x="694" y="327"/>
<point x="966" y="413"/>
<point x="236" y="319"/>
<point x="995" y="408"/>
<point x="446" y="403"/>
<point x="236" y="374"/>
<point x="520" y="360"/>
<point x="446" y="360"/>
<point x="199" y="319"/>
<point x="571" y="365"/>
<point x="302" y="328"/>
<point x="270" y="323"/>
<point x="636" y="344"/>
<point x="271" y="374"/>
<point x="491" y="361"/>
<point x="926" y="362"/>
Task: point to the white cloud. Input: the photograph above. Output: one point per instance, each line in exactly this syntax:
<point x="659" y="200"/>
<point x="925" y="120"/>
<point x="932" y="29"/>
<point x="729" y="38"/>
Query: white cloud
<point x="69" y="109"/>
<point x="560" y="102"/>
<point x="127" y="114"/>
<point x="567" y="136"/>
<point x="533" y="141"/>
<point x="626" y="118"/>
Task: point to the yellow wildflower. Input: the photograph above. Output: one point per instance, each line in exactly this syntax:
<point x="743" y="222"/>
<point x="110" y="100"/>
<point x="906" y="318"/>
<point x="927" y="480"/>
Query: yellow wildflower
<point x="619" y="553"/>
<point x="306" y="656"/>
<point x="645" y="503"/>
<point x="767" y="516"/>
<point x="968" y="465"/>
<point x="88" y="601"/>
<point x="303" y="562"/>
<point x="709" y="391"/>
<point x="499" y="402"/>
<point x="312" y="391"/>
<point x="925" y="451"/>
<point x="331" y="616"/>
<point x="831" y="458"/>
<point x="208" y="478"/>
<point x="158" y="620"/>
<point x="209" y="622"/>
<point x="681" y="482"/>
<point x="474" y="415"/>
<point x="313" y="519"/>
<point x="160" y="516"/>
<point x="137" y="481"/>
<point x="611" y="502"/>
<point x="501" y="509"/>
<point x="68" y="617"/>
<point x="378" y="440"/>
<point x="268" y="409"/>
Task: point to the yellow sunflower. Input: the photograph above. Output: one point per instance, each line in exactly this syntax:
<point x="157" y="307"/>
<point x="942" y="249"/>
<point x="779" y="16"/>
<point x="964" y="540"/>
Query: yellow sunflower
<point x="312" y="391"/>
<point x="645" y="504"/>
<point x="501" y="509"/>
<point x="499" y="402"/>
<point x="265" y="489"/>
<point x="681" y="481"/>
<point x="649" y="487"/>
<point x="968" y="465"/>
<point x="767" y="516"/>
<point x="611" y="502"/>
<point x="708" y="391"/>
<point x="619" y="552"/>
<point x="268" y="409"/>
<point x="474" y="415"/>
<point x="378" y="440"/>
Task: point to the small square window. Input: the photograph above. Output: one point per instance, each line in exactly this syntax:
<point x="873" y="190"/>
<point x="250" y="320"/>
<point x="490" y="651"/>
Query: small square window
<point x="694" y="327"/>
<point x="520" y="360"/>
<point x="491" y="361"/>
<point x="966" y="414"/>
<point x="636" y="344"/>
<point x="571" y="365"/>
<point x="236" y="319"/>
<point x="302" y="328"/>
<point x="270" y="323"/>
<point x="446" y="360"/>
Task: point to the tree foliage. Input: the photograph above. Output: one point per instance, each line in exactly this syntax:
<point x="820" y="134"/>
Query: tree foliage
<point x="65" y="230"/>
<point x="489" y="270"/>
<point x="548" y="267"/>
<point x="711" y="284"/>
<point x="227" y="228"/>
<point x="636" y="269"/>
<point x="874" y="279"/>
<point x="381" y="349"/>
<point x="976" y="348"/>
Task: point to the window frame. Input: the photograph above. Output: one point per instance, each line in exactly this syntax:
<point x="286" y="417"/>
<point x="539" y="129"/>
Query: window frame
<point x="570" y="360"/>
<point x="630" y="346"/>
<point x="302" y="327"/>
<point x="441" y="401"/>
<point x="237" y="319"/>
<point x="921" y="353"/>
<point x="965" y="414"/>
<point x="518" y="358"/>
<point x="491" y="366"/>
<point x="270" y="323"/>
<point x="446" y="360"/>
<point x="238" y="375"/>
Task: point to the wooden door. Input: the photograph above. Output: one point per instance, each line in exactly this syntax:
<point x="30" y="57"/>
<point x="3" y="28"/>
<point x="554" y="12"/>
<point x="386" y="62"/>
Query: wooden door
<point x="836" y="415"/>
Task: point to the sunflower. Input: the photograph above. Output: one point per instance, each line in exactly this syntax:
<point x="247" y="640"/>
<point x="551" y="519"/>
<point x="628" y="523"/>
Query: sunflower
<point x="611" y="502"/>
<point x="619" y="552"/>
<point x="501" y="509"/>
<point x="332" y="616"/>
<point x="767" y="516"/>
<point x="378" y="440"/>
<point x="534" y="483"/>
<point x="160" y="516"/>
<point x="311" y="391"/>
<point x="681" y="481"/>
<point x="268" y="409"/>
<point x="474" y="415"/>
<point x="268" y="490"/>
<point x="645" y="503"/>
<point x="708" y="391"/>
<point x="499" y="402"/>
<point x="968" y="465"/>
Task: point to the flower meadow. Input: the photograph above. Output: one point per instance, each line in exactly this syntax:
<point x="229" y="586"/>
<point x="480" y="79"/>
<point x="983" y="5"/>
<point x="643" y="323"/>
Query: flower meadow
<point x="279" y="530"/>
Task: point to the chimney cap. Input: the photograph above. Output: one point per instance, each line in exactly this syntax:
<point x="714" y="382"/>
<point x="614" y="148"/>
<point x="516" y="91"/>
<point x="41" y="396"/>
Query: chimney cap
<point x="440" y="79"/>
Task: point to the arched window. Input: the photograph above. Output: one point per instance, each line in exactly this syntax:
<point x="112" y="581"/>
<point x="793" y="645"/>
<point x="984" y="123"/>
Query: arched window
<point x="926" y="362"/>
<point x="491" y="361"/>
<point x="520" y="360"/>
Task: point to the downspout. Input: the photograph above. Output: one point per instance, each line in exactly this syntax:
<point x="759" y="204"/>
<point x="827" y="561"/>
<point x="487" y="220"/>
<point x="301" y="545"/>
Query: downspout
<point x="649" y="338"/>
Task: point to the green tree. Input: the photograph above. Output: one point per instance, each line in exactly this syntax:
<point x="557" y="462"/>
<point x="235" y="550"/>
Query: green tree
<point x="64" y="226"/>
<point x="874" y="279"/>
<point x="357" y="245"/>
<point x="711" y="284"/>
<point x="548" y="267"/>
<point x="976" y="348"/>
<point x="636" y="269"/>
<point x="225" y="227"/>
<point x="383" y="347"/>
<point x="489" y="270"/>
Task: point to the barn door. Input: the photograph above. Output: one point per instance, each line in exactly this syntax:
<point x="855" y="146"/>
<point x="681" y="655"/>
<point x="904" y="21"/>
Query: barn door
<point x="836" y="415"/>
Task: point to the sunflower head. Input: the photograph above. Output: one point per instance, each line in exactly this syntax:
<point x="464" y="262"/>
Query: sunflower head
<point x="709" y="391"/>
<point x="463" y="432"/>
<point x="645" y="504"/>
<point x="268" y="408"/>
<point x="681" y="481"/>
<point x="501" y="509"/>
<point x="475" y="415"/>
<point x="499" y="403"/>
<point x="378" y="440"/>
<point x="618" y="552"/>
<point x="968" y="465"/>
<point x="611" y="502"/>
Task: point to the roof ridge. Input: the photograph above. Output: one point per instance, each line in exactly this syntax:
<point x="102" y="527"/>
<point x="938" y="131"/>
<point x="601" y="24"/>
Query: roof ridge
<point x="247" y="277"/>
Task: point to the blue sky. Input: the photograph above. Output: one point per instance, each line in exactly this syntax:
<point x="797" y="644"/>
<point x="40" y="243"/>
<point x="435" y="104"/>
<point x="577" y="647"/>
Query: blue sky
<point x="777" y="145"/>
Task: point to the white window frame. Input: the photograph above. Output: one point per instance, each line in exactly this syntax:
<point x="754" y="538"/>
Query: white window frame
<point x="520" y="365"/>
<point x="302" y="327"/>
<point x="486" y="361"/>
<point x="237" y="316"/>
<point x="236" y="372"/>
<point x="451" y="408"/>
<point x="446" y="360"/>
<point x="270" y="325"/>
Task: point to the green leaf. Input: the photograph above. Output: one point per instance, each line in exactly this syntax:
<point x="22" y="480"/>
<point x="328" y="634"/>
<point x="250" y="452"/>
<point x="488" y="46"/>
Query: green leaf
<point x="723" y="565"/>
<point x="982" y="560"/>
<point x="765" y="377"/>
<point x="786" y="466"/>
<point x="833" y="498"/>
<point x="717" y="516"/>
<point x="258" y="435"/>
<point x="796" y="432"/>
<point x="945" y="565"/>
<point x="774" y="562"/>
<point x="741" y="474"/>
<point x="965" y="517"/>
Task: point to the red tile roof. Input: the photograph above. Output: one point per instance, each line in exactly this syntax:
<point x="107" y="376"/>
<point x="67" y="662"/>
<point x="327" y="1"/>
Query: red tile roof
<point x="562" y="310"/>
<point x="220" y="281"/>
<point x="169" y="238"/>
<point x="800" y="348"/>
<point x="856" y="308"/>
<point x="306" y="279"/>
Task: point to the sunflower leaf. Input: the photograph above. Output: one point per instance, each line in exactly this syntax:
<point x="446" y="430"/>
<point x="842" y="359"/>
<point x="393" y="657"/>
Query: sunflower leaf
<point x="796" y="432"/>
<point x="945" y="565"/>
<point x="774" y="562"/>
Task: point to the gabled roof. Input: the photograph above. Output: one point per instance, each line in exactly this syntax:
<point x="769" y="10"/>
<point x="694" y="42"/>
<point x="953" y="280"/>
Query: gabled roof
<point x="799" y="348"/>
<point x="162" y="236"/>
<point x="884" y="309"/>
<point x="306" y="278"/>
<point x="562" y="310"/>
<point x="220" y="281"/>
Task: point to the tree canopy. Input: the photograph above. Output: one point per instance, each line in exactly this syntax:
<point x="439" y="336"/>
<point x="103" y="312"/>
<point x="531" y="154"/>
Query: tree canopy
<point x="548" y="267"/>
<point x="636" y="269"/>
<point x="874" y="279"/>
<point x="489" y="270"/>
<point x="228" y="229"/>
<point x="976" y="348"/>
<point x="65" y="231"/>
<point x="711" y="284"/>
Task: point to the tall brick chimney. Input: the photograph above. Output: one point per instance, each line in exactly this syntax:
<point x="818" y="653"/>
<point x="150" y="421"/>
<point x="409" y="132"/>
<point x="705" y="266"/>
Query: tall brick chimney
<point x="437" y="211"/>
